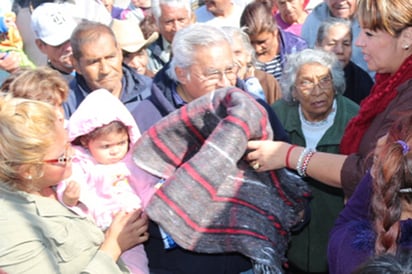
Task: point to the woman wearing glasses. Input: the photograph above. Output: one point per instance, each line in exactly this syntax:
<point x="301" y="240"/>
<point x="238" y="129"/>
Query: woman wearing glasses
<point x="314" y="113"/>
<point x="39" y="235"/>
<point x="386" y="40"/>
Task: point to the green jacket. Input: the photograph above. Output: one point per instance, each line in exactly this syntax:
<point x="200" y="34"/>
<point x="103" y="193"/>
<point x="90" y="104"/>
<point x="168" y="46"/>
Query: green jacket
<point x="308" y="246"/>
<point x="40" y="235"/>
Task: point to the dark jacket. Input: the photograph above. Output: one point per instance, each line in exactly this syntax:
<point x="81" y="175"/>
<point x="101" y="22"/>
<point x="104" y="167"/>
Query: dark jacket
<point x="157" y="55"/>
<point x="358" y="82"/>
<point x="177" y="260"/>
<point x="135" y="88"/>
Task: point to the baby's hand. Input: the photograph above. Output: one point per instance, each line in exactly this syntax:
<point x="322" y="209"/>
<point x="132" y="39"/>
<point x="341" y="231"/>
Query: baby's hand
<point x="71" y="194"/>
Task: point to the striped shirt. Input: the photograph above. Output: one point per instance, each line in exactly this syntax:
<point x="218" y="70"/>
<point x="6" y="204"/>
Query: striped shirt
<point x="272" y="67"/>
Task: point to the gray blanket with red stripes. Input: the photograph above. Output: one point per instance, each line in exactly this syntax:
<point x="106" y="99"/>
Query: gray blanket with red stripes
<point x="212" y="201"/>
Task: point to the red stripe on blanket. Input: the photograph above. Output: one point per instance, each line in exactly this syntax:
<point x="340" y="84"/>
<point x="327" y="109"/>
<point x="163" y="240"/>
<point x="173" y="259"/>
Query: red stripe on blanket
<point x="186" y="120"/>
<point x="182" y="214"/>
<point x="216" y="198"/>
<point x="153" y="133"/>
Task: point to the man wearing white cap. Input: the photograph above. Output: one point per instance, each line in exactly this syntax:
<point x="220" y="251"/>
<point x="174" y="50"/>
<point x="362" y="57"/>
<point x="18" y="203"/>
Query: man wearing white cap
<point x="53" y="27"/>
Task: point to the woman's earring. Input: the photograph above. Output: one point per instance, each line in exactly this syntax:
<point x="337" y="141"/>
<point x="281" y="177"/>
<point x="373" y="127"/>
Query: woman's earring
<point x="29" y="177"/>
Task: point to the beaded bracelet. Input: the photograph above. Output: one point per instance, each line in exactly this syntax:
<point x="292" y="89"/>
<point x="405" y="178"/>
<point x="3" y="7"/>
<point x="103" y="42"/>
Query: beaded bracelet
<point x="288" y="155"/>
<point x="303" y="161"/>
<point x="306" y="162"/>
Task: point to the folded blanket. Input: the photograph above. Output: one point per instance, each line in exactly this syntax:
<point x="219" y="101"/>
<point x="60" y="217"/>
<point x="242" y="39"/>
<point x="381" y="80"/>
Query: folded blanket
<point x="212" y="201"/>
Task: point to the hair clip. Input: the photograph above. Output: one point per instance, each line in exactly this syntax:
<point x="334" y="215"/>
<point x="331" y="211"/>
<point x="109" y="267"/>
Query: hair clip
<point x="405" y="147"/>
<point x="405" y="190"/>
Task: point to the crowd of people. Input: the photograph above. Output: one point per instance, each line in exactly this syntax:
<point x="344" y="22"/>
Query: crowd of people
<point x="82" y="82"/>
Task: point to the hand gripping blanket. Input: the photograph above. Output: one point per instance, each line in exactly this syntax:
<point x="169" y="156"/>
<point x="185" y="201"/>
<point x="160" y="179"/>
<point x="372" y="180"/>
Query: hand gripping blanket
<point x="212" y="201"/>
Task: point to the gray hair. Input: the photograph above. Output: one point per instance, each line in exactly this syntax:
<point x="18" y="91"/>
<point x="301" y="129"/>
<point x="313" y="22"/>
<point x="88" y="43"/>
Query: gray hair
<point x="244" y="39"/>
<point x="307" y="56"/>
<point x="330" y="23"/>
<point x="188" y="39"/>
<point x="157" y="12"/>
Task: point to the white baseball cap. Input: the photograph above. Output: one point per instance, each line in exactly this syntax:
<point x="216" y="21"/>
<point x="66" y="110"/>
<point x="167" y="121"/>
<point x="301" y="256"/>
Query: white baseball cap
<point x="52" y="24"/>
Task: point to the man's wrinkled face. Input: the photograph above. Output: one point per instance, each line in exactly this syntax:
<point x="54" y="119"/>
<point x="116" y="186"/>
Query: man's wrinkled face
<point x="101" y="64"/>
<point x="59" y="56"/>
<point x="172" y="20"/>
<point x="212" y="68"/>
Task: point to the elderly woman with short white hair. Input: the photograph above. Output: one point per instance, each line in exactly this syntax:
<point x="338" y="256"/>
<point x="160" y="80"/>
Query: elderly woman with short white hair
<point x="256" y="81"/>
<point x="314" y="113"/>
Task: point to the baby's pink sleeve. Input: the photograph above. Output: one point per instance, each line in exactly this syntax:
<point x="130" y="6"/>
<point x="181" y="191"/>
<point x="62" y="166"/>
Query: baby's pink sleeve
<point x="143" y="183"/>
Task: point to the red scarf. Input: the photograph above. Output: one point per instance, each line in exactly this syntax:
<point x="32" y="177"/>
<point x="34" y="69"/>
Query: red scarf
<point x="382" y="93"/>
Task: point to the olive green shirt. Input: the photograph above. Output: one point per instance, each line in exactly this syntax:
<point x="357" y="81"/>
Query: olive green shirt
<point x="39" y="235"/>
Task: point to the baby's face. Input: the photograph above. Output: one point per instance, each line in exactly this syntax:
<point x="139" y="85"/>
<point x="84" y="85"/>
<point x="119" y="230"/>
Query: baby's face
<point x="109" y="149"/>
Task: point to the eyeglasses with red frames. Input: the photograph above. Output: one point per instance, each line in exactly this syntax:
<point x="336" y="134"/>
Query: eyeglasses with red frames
<point x="62" y="160"/>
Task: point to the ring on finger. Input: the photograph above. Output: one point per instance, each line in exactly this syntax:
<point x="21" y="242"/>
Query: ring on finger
<point x="255" y="165"/>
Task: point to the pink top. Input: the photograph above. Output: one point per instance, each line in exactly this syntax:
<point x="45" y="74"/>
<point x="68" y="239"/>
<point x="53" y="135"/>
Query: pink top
<point x="294" y="28"/>
<point x="105" y="189"/>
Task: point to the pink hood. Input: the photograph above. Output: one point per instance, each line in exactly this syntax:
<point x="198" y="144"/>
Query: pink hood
<point x="99" y="108"/>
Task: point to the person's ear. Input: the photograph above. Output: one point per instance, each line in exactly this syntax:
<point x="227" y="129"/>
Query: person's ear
<point x="193" y="18"/>
<point x="75" y="64"/>
<point x="41" y="45"/>
<point x="181" y="75"/>
<point x="27" y="172"/>
<point x="406" y="38"/>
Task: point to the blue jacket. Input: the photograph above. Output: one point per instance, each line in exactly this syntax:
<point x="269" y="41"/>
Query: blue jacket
<point x="135" y="88"/>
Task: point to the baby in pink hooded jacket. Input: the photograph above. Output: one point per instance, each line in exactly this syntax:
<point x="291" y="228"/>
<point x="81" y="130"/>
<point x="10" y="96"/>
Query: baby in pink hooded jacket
<point x="105" y="179"/>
